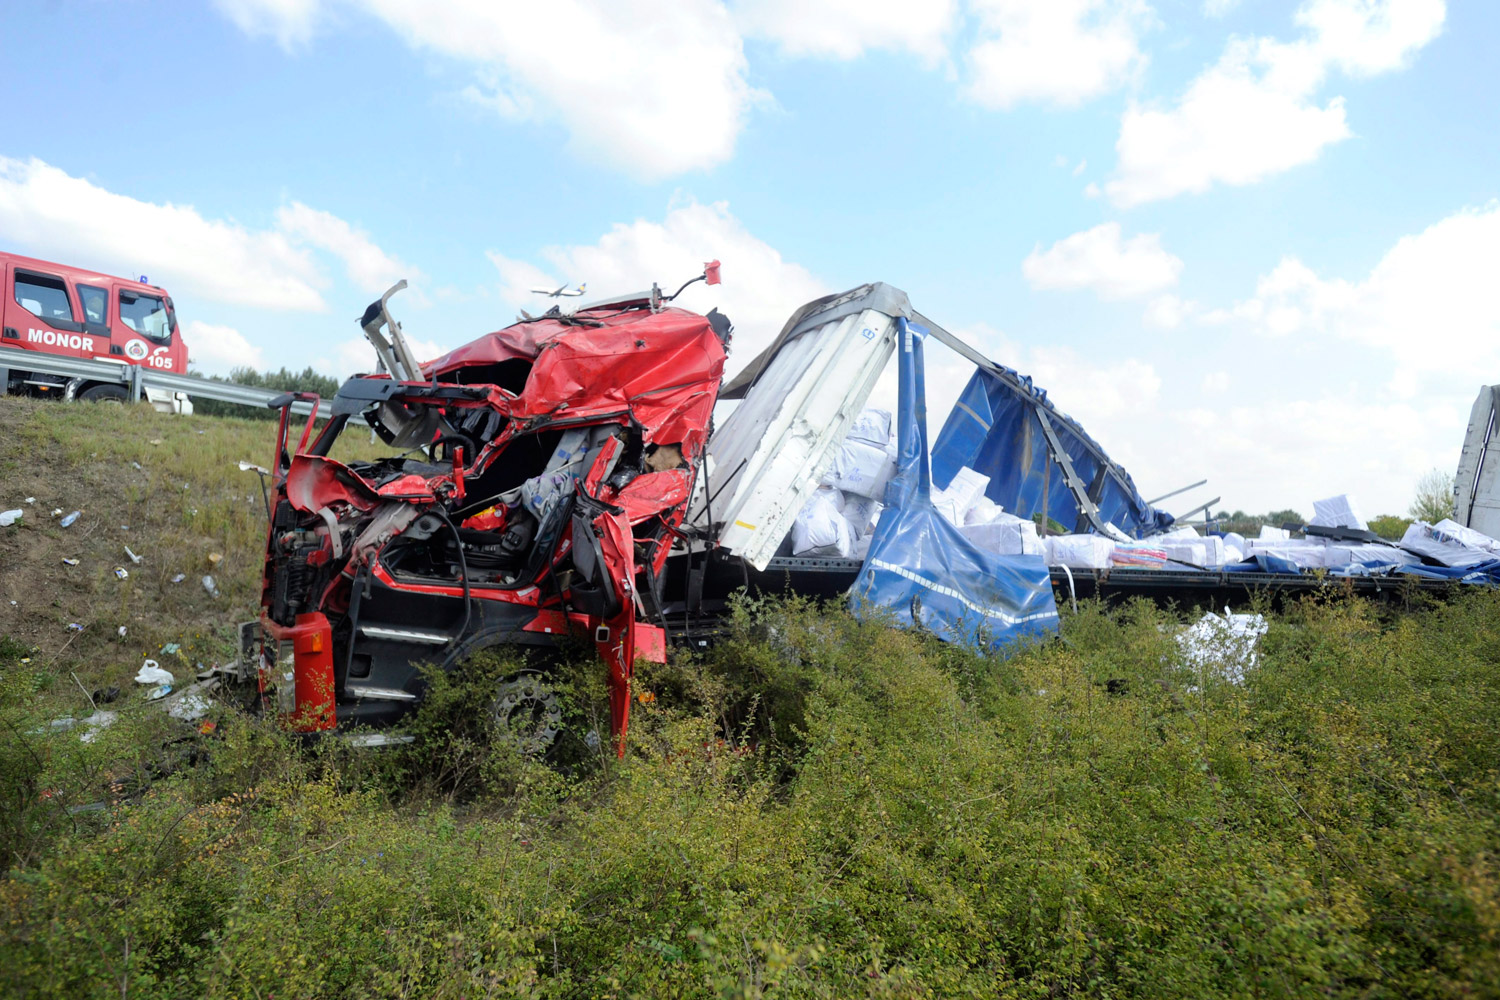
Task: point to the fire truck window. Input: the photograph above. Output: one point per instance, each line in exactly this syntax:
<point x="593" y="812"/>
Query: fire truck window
<point x="95" y="303"/>
<point x="145" y="314"/>
<point x="43" y="297"/>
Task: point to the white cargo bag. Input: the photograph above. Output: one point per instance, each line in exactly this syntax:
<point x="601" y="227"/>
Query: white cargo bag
<point x="860" y="468"/>
<point x="820" y="530"/>
<point x="872" y="426"/>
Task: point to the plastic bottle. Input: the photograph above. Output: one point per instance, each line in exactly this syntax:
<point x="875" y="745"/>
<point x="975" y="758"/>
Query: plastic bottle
<point x="68" y="521"/>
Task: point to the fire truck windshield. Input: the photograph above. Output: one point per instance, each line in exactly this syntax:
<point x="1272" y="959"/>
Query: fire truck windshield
<point x="145" y="314"/>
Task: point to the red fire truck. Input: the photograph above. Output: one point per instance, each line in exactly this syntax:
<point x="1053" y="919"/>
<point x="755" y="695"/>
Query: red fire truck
<point x="68" y="312"/>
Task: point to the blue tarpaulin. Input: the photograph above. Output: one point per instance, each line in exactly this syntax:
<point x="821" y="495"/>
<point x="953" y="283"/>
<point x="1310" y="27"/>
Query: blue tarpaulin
<point x="921" y="569"/>
<point x="996" y="428"/>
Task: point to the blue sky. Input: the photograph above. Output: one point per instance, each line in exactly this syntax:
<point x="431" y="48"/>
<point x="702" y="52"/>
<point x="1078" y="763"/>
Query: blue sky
<point x="1254" y="241"/>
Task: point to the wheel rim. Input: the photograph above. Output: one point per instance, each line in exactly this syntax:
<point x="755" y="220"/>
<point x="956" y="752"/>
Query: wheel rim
<point x="526" y="713"/>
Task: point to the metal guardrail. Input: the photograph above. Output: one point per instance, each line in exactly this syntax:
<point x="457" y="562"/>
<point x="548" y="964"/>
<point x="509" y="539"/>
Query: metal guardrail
<point x="137" y="379"/>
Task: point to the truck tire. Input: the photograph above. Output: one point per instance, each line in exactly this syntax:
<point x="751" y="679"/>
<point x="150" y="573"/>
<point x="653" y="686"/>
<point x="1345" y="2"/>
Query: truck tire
<point x="104" y="393"/>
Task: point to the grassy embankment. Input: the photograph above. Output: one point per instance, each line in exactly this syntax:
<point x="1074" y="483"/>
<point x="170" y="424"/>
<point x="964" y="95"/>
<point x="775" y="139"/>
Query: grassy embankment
<point x="817" y="807"/>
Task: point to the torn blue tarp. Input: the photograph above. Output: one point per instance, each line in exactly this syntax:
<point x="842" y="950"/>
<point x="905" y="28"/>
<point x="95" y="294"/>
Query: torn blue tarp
<point x="921" y="569"/>
<point x="1000" y="428"/>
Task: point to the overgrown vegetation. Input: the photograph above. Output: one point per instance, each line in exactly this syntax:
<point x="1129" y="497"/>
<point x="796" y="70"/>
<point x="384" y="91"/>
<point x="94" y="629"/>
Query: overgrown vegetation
<point x="816" y="807"/>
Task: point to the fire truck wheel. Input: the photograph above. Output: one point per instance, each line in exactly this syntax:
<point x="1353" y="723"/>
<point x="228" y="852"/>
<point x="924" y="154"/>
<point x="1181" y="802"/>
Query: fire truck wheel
<point x="526" y="712"/>
<point x="104" y="394"/>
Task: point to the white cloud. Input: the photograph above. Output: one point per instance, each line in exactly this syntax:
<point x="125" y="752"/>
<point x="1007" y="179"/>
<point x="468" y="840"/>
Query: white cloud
<point x="369" y="267"/>
<point x="1430" y="300"/>
<point x="1101" y="260"/>
<point x="1253" y="114"/>
<point x="845" y="29"/>
<point x="1168" y="312"/>
<point x="1215" y="383"/>
<point x="57" y="215"/>
<point x="1218" y="8"/>
<point x="214" y="349"/>
<point x="290" y="22"/>
<point x="652" y="87"/>
<point x="760" y="289"/>
<point x="1054" y="51"/>
<point x="1365" y="37"/>
<point x="52" y="214"/>
<point x="356" y="356"/>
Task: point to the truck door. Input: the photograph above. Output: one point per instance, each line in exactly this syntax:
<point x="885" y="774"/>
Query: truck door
<point x="40" y="308"/>
<point x="94" y="300"/>
<point x="146" y="329"/>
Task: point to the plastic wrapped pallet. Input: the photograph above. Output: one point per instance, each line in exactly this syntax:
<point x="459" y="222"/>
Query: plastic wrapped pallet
<point x="1234" y="548"/>
<point x="1306" y="553"/>
<point x="820" y="530"/>
<point x="965" y="490"/>
<point x="861" y="513"/>
<point x="860" y="468"/>
<point x="872" y="426"/>
<point x="984" y="511"/>
<point x="1270" y="534"/>
<point x="1138" y="556"/>
<point x="1423" y="540"/>
<point x="1079" y="551"/>
<point x="1005" y="535"/>
<point x="1467" y="536"/>
<point x="1337" y="512"/>
<point x="1207" y="551"/>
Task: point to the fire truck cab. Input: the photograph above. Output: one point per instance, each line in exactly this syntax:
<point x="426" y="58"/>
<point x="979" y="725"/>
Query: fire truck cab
<point x="63" y="311"/>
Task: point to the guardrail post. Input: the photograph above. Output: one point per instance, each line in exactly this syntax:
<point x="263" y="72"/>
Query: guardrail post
<point x="135" y="383"/>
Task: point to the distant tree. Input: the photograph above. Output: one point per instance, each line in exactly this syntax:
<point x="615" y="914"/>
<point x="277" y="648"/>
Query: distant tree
<point x="1390" y="526"/>
<point x="1434" y="499"/>
<point x="1248" y="525"/>
<point x="282" y="380"/>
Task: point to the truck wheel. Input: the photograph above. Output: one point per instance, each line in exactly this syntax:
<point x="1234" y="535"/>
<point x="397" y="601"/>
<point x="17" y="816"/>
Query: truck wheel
<point x="105" y="393"/>
<point x="525" y="712"/>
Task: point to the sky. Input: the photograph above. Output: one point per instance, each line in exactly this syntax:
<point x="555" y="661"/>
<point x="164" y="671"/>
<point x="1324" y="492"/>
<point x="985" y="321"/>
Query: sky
<point x="1250" y="241"/>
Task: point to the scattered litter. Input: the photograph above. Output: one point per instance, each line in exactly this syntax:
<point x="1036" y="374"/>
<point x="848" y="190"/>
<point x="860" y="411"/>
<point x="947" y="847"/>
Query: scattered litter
<point x="30" y="500"/>
<point x="1225" y="643"/>
<point x="136" y="466"/>
<point x="154" y="441"/>
<point x="121" y="573"/>
<point x="151" y="672"/>
<point x="210" y="586"/>
<point x="171" y="648"/>
<point x="121" y="630"/>
<point x="105" y="695"/>
<point x="214" y="558"/>
<point x="133" y="557"/>
<point x="67" y="522"/>
<point x="207" y="726"/>
<point x="70" y="562"/>
<point x="98" y="721"/>
<point x="124" y="527"/>
<point x="192" y="705"/>
<point x="179" y="578"/>
<point x="72" y="626"/>
<point x="92" y="725"/>
<point x="9" y="517"/>
<point x="56" y="511"/>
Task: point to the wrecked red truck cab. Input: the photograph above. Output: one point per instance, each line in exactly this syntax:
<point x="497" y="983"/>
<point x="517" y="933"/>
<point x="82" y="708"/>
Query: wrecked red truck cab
<point x="543" y="473"/>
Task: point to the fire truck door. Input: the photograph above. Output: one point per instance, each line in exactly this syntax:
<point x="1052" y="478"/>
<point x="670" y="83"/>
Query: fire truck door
<point x="41" y="309"/>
